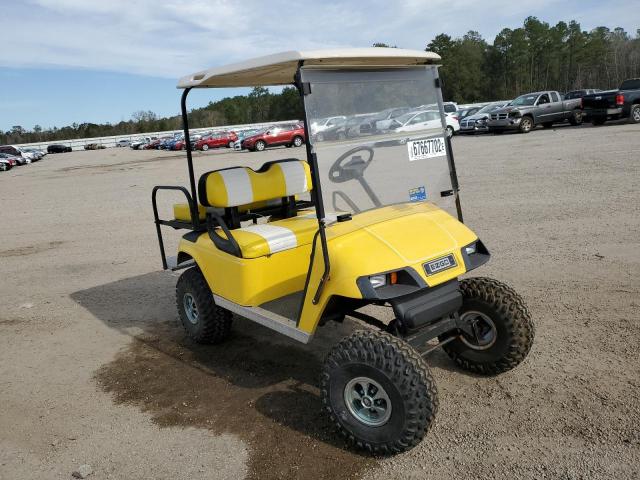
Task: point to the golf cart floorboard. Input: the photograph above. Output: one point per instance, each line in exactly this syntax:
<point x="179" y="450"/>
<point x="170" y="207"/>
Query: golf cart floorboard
<point x="264" y="317"/>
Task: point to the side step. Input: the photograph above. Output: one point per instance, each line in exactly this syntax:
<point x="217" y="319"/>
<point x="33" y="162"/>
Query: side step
<point x="172" y="264"/>
<point x="265" y="318"/>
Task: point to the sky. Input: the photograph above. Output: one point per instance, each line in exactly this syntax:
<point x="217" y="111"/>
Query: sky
<point x="66" y="61"/>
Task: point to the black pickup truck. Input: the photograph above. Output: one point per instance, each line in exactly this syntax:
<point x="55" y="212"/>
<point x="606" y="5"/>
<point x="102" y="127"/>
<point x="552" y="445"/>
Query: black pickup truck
<point x="614" y="104"/>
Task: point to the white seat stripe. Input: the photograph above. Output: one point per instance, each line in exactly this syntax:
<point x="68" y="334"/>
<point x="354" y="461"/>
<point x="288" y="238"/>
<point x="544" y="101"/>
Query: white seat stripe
<point x="238" y="186"/>
<point x="278" y="238"/>
<point x="295" y="177"/>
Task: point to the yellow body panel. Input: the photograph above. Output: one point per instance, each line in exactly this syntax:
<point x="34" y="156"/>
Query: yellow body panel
<point x="249" y="281"/>
<point x="376" y="241"/>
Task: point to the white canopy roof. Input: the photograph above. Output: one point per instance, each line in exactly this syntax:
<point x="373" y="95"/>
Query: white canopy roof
<point x="280" y="68"/>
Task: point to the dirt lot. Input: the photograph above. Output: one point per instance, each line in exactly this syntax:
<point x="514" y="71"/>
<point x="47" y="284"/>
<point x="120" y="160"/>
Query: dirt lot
<point x="95" y="369"/>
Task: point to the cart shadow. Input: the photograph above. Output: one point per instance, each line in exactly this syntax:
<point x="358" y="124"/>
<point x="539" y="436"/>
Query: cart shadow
<point x="258" y="384"/>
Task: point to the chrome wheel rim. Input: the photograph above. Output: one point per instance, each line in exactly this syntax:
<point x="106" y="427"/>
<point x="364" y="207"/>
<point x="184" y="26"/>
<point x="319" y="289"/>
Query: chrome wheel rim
<point x="190" y="308"/>
<point x="636" y="114"/>
<point x="259" y="146"/>
<point x="297" y="142"/>
<point x="526" y="125"/>
<point x="367" y="401"/>
<point x="484" y="330"/>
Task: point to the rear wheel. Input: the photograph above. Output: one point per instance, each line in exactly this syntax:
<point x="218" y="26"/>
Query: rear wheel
<point x="526" y="124"/>
<point x="204" y="321"/>
<point x="502" y="328"/>
<point x="634" y="116"/>
<point x="379" y="392"/>
<point x="576" y="118"/>
<point x="297" y="141"/>
<point x="599" y="120"/>
<point x="260" y="145"/>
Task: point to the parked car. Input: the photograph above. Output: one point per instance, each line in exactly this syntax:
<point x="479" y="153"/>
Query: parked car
<point x="242" y="134"/>
<point x="424" y="119"/>
<point x="39" y="154"/>
<point x="58" y="148"/>
<point x="123" y="143"/>
<point x="12" y="159"/>
<point x="25" y="156"/>
<point x="94" y="146"/>
<point x="581" y="93"/>
<point x="5" y="165"/>
<point x="380" y="121"/>
<point x="216" y="140"/>
<point x="323" y="124"/>
<point x="532" y="109"/>
<point x="614" y="104"/>
<point x="466" y="112"/>
<point x="477" y="122"/>
<point x="290" y="135"/>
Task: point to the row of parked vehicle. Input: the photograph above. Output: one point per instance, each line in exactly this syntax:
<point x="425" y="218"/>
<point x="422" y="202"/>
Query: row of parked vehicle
<point x="287" y="134"/>
<point x="548" y="108"/>
<point x="13" y="156"/>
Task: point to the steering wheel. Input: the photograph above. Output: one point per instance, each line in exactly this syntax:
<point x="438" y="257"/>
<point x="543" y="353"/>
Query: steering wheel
<point x="353" y="168"/>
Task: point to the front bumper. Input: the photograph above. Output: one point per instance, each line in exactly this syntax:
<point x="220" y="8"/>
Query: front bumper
<point x="505" y="124"/>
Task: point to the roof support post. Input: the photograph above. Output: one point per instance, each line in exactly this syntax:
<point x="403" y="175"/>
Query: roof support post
<point x="187" y="143"/>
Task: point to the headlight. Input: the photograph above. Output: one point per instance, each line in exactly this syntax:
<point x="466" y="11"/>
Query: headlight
<point x="515" y="113"/>
<point x="482" y="120"/>
<point x="470" y="249"/>
<point x="378" y="281"/>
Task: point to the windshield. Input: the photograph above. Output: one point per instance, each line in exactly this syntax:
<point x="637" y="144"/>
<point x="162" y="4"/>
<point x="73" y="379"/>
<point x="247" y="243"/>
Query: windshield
<point x="525" y="100"/>
<point x="366" y="164"/>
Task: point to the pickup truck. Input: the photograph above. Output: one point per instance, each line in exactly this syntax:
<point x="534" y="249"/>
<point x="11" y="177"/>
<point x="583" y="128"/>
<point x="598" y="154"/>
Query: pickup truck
<point x="614" y="104"/>
<point x="532" y="109"/>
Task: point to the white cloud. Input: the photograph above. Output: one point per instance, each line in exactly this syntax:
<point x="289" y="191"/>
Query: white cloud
<point x="175" y="37"/>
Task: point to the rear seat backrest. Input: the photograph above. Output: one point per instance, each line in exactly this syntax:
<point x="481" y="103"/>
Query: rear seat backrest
<point x="242" y="186"/>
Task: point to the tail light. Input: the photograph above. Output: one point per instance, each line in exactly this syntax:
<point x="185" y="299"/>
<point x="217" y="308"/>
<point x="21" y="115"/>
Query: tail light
<point x="457" y="119"/>
<point x="620" y="99"/>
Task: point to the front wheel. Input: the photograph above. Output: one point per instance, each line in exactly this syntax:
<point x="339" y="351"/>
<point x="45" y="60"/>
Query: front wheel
<point x="378" y="392"/>
<point x="526" y="124"/>
<point x="260" y="145"/>
<point x="205" y="147"/>
<point x="204" y="321"/>
<point x="297" y="141"/>
<point x="500" y="330"/>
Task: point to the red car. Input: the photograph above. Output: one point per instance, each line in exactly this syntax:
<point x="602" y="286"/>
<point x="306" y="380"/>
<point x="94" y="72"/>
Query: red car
<point x="216" y="140"/>
<point x="291" y="135"/>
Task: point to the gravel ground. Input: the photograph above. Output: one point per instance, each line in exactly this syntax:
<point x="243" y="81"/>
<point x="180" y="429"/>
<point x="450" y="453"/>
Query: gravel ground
<point x="95" y="369"/>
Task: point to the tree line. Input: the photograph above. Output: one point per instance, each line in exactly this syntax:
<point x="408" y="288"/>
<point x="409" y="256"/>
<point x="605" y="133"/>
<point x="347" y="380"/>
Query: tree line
<point x="533" y="57"/>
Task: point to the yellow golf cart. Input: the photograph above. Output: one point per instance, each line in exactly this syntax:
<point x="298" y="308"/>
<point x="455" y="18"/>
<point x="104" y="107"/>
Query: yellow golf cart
<point x="370" y="215"/>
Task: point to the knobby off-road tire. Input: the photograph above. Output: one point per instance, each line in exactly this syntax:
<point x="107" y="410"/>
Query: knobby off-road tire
<point x="514" y="330"/>
<point x="211" y="323"/>
<point x="405" y="405"/>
